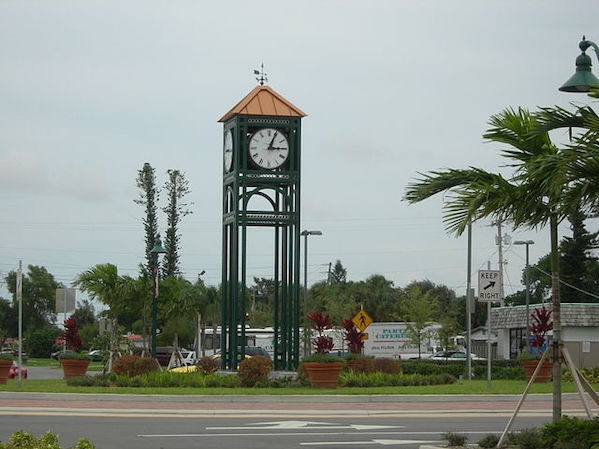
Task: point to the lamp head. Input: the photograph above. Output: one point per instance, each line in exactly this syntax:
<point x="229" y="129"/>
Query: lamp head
<point x="305" y="233"/>
<point x="158" y="249"/>
<point x="583" y="78"/>
<point x="524" y="242"/>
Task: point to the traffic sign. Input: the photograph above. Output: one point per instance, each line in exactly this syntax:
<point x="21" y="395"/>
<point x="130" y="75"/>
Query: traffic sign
<point x="362" y="320"/>
<point x="489" y="285"/>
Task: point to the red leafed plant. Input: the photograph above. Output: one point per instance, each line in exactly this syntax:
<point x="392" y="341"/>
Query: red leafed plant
<point x="71" y="334"/>
<point x="541" y="324"/>
<point x="353" y="336"/>
<point x="322" y="344"/>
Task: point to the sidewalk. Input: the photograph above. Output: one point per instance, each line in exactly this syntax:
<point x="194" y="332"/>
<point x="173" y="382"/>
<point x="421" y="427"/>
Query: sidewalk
<point x="15" y="403"/>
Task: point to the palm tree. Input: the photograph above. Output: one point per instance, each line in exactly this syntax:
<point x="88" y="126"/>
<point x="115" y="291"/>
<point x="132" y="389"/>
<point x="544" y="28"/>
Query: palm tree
<point x="536" y="194"/>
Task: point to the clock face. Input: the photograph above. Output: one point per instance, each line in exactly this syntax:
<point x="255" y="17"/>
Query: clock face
<point x="228" y="151"/>
<point x="269" y="148"/>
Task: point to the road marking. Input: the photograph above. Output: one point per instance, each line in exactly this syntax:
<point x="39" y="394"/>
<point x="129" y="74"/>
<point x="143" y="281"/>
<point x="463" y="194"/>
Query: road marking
<point x="303" y="425"/>
<point x="277" y="434"/>
<point x="381" y="442"/>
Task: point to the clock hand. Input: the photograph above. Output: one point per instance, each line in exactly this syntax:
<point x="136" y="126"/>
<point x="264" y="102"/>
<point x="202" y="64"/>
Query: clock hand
<point x="270" y="147"/>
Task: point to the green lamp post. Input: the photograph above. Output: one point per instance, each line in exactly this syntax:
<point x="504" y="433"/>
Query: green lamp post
<point x="583" y="78"/>
<point x="158" y="249"/>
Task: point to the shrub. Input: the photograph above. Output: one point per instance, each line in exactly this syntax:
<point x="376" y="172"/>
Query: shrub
<point x="568" y="429"/>
<point x="388" y="366"/>
<point x="73" y="356"/>
<point x="7" y="356"/>
<point x="454" y="439"/>
<point x="527" y="439"/>
<point x="489" y="442"/>
<point x="49" y="440"/>
<point x="254" y="370"/>
<point x="362" y="364"/>
<point x="208" y="365"/>
<point x="134" y="365"/>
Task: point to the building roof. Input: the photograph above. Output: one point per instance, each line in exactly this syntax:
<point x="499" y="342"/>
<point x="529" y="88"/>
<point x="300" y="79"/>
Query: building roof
<point x="572" y="315"/>
<point x="263" y="100"/>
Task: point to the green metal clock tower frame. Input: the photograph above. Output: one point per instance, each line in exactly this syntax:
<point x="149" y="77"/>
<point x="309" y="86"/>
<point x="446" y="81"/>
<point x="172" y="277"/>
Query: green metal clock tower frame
<point x="247" y="187"/>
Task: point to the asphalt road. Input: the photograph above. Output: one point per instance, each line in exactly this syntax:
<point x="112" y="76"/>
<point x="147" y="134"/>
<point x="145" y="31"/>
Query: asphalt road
<point x="260" y="432"/>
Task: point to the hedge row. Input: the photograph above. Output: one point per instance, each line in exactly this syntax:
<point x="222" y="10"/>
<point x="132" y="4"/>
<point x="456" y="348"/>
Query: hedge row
<point x="197" y="380"/>
<point x="500" y="369"/>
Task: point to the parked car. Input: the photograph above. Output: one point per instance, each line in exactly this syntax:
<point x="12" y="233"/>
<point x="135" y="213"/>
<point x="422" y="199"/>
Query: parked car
<point x="164" y="353"/>
<point x="55" y="354"/>
<point x="250" y="351"/>
<point x="13" y="372"/>
<point x="98" y="355"/>
<point x="454" y="355"/>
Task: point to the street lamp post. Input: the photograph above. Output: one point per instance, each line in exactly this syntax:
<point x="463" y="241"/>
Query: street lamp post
<point x="158" y="249"/>
<point x="527" y="281"/>
<point x="305" y="234"/>
<point x="583" y="78"/>
<point x="581" y="81"/>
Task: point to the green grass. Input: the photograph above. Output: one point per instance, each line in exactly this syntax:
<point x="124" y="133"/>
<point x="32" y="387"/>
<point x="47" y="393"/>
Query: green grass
<point x="461" y="387"/>
<point x="51" y="363"/>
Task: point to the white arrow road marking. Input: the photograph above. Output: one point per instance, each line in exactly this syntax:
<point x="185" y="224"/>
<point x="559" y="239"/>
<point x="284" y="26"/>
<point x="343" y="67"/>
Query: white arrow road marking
<point x="381" y="442"/>
<point x="303" y="425"/>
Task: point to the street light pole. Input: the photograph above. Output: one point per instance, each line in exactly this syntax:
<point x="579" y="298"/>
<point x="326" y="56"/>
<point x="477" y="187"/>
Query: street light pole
<point x="527" y="281"/>
<point x="305" y="234"/>
<point x="581" y="81"/>
<point x="158" y="249"/>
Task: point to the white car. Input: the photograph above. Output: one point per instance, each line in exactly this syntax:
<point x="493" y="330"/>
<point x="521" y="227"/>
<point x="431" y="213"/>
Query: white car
<point x="453" y="355"/>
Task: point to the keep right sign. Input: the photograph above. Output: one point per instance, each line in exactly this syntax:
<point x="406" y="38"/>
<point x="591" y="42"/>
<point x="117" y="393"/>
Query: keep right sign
<point x="489" y="285"/>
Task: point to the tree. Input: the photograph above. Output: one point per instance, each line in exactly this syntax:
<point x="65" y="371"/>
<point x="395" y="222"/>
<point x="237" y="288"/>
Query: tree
<point x="338" y="274"/>
<point x="177" y="187"/>
<point x="540" y="191"/>
<point x="148" y="198"/>
<point x="85" y="314"/>
<point x="39" y="293"/>
<point x="418" y="309"/>
<point x="128" y="299"/>
<point x="578" y="268"/>
<point x="8" y="321"/>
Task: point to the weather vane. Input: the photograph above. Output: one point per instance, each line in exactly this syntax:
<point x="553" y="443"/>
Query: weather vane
<point x="263" y="77"/>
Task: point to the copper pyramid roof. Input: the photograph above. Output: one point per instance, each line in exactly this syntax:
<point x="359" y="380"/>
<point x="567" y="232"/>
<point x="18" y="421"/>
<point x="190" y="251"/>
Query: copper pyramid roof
<point x="263" y="100"/>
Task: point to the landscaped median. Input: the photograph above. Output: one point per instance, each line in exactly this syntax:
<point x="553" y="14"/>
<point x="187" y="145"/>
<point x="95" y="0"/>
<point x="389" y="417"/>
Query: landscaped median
<point x="565" y="433"/>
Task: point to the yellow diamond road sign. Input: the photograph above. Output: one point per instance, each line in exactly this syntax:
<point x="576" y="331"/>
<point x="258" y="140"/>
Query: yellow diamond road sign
<point x="362" y="320"/>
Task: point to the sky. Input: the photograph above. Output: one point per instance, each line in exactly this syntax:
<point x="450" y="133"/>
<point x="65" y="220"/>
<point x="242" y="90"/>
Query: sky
<point x="90" y="91"/>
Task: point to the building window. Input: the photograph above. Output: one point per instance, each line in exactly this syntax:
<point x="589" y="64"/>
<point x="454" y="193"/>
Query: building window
<point x="517" y="341"/>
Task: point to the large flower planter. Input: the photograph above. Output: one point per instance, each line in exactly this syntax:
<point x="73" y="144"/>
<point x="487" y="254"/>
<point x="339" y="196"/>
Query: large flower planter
<point x="544" y="374"/>
<point x="74" y="367"/>
<point x="323" y="374"/>
<point x="4" y="367"/>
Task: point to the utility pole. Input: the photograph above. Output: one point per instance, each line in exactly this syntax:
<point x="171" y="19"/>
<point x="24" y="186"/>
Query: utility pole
<point x="499" y="242"/>
<point x="19" y="291"/>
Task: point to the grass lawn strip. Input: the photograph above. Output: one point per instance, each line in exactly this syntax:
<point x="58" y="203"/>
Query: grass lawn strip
<point x="460" y="387"/>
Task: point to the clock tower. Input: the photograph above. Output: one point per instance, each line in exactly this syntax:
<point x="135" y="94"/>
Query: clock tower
<point x="261" y="188"/>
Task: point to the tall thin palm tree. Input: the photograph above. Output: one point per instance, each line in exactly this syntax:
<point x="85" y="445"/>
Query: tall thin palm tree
<point x="534" y="195"/>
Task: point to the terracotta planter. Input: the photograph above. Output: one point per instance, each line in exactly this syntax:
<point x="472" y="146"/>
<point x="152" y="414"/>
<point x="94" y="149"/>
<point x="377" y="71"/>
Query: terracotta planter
<point x="4" y="367"/>
<point x="323" y="374"/>
<point x="544" y="374"/>
<point x="73" y="367"/>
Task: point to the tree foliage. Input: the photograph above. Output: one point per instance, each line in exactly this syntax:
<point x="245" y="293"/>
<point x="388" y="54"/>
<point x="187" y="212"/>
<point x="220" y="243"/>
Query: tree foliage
<point x="148" y="198"/>
<point x="39" y="293"/>
<point x="176" y="187"/>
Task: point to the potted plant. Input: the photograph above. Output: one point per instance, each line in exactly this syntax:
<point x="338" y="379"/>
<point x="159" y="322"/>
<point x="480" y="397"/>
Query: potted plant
<point x="321" y="367"/>
<point x="6" y="361"/>
<point x="73" y="363"/>
<point x="354" y="338"/>
<point x="541" y="325"/>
